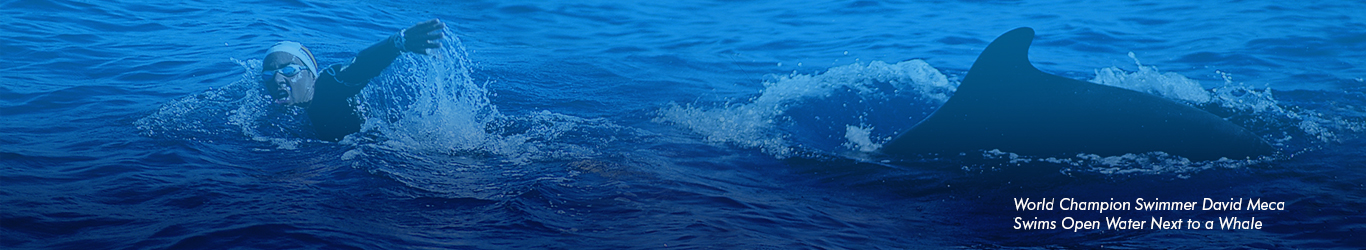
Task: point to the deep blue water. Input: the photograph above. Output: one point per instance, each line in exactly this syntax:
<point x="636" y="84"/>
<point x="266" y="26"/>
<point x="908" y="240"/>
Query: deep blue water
<point x="620" y="124"/>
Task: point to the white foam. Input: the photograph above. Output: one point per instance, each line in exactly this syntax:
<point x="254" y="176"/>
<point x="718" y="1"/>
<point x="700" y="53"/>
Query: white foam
<point x="1149" y="80"/>
<point x="429" y="102"/>
<point x="432" y="106"/>
<point x="860" y="138"/>
<point x="239" y="107"/>
<point x="754" y="123"/>
<point x="1277" y="122"/>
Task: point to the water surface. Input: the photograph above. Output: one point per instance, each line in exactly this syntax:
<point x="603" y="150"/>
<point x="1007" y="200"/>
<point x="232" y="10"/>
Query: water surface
<point x="644" y="124"/>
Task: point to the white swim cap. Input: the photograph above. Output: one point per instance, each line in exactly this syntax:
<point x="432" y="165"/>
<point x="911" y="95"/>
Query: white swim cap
<point x="298" y="50"/>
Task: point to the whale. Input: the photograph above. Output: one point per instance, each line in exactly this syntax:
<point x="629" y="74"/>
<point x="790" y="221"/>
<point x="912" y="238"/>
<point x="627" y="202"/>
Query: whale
<point x="1005" y="103"/>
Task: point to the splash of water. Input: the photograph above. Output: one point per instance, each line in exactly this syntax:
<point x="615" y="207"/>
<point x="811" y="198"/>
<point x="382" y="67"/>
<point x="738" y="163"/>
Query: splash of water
<point x="860" y="139"/>
<point x="428" y="102"/>
<point x="1287" y="126"/>
<point x="241" y="106"/>
<point x="756" y="123"/>
<point x="430" y="105"/>
<point x="1149" y="80"/>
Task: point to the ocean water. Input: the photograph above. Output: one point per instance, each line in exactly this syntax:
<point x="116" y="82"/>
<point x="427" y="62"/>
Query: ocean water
<point x="649" y="124"/>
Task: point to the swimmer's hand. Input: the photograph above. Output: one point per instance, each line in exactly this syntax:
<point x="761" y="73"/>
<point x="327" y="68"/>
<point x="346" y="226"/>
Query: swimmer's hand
<point x="372" y="61"/>
<point x="422" y="36"/>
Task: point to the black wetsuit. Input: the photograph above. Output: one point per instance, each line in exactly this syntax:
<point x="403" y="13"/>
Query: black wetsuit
<point x="333" y="116"/>
<point x="331" y="112"/>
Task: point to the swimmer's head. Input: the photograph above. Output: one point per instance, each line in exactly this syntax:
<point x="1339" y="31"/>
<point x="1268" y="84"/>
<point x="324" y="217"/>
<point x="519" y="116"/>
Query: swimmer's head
<point x="288" y="73"/>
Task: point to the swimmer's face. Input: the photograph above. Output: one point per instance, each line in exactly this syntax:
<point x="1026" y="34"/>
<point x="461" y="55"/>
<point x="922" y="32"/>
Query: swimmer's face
<point x="295" y="89"/>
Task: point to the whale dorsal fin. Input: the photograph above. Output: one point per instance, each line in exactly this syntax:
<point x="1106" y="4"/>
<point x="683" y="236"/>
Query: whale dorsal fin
<point x="1006" y="57"/>
<point x="1005" y="103"/>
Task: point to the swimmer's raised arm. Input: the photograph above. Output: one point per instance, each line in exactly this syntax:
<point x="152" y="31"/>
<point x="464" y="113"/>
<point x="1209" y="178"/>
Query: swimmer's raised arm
<point x="373" y="60"/>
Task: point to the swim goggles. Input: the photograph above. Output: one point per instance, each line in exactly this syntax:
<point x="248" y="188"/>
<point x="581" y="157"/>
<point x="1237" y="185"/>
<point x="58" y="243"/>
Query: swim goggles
<point x="291" y="71"/>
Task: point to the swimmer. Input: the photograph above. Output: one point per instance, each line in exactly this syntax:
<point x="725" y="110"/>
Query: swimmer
<point x="291" y="76"/>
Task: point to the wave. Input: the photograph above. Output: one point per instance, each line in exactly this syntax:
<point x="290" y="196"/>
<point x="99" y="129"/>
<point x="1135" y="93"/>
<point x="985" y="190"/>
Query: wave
<point x="768" y="121"/>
